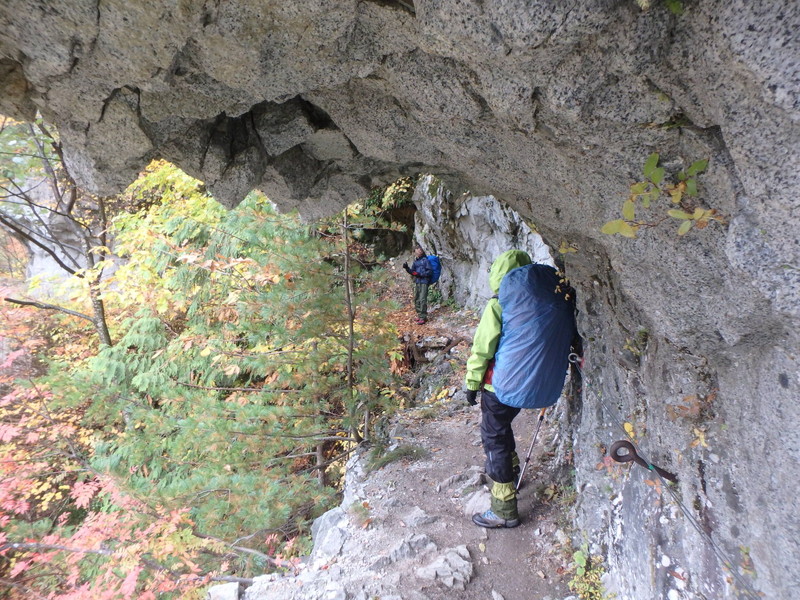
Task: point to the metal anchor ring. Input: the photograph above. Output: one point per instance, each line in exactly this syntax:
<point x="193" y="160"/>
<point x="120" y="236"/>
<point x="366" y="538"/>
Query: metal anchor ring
<point x="632" y="455"/>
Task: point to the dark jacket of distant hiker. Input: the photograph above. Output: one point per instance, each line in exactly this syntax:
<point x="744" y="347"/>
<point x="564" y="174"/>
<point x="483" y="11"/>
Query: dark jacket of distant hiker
<point x="421" y="271"/>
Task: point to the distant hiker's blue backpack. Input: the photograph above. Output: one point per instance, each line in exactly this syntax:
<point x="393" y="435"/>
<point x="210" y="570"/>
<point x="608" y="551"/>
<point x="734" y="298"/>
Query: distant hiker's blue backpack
<point x="537" y="331"/>
<point x="436" y="268"/>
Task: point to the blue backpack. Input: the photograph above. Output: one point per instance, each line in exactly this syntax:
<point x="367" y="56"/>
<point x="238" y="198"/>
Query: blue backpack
<point x="436" y="268"/>
<point x="537" y="331"/>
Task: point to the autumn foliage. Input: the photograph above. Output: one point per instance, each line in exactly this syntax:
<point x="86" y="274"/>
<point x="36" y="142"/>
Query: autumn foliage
<point x="251" y="357"/>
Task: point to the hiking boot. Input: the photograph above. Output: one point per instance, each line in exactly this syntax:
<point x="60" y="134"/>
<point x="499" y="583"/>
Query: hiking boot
<point x="491" y="521"/>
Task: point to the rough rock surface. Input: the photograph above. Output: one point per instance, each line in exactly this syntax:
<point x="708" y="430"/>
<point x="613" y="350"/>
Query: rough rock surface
<point x="407" y="528"/>
<point x="553" y="108"/>
<point x="687" y="414"/>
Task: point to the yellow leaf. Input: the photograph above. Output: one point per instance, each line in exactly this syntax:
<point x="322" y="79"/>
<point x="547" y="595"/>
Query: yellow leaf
<point x="206" y="351"/>
<point x="627" y="230"/>
<point x="612" y="227"/>
<point x="566" y="248"/>
<point x="628" y="210"/>
<point x="701" y="438"/>
<point x="629" y="429"/>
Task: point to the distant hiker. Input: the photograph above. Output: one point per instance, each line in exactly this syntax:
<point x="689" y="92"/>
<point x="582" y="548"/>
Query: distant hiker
<point x="518" y="360"/>
<point x="421" y="272"/>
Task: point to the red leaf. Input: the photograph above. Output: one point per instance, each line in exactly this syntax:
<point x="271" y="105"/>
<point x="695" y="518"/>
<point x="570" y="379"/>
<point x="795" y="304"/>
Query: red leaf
<point x="84" y="491"/>
<point x="8" y="432"/>
<point x="11" y="357"/>
<point x="129" y="585"/>
<point x="19" y="568"/>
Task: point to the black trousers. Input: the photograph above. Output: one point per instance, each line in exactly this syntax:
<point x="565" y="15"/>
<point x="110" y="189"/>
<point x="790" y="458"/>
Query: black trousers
<point x="497" y="437"/>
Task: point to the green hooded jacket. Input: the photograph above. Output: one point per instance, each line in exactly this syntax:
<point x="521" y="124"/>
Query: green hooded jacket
<point x="484" y="343"/>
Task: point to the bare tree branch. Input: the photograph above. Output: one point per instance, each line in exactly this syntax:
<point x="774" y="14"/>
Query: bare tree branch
<point x="46" y="225"/>
<point x="73" y="188"/>
<point x="12" y="584"/>
<point x="24" y="196"/>
<point x="46" y="306"/>
<point x="39" y="546"/>
<point x="51" y="174"/>
<point x="15" y="227"/>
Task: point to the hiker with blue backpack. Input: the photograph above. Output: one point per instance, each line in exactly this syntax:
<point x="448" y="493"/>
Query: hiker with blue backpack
<point x="424" y="275"/>
<point x="519" y="360"/>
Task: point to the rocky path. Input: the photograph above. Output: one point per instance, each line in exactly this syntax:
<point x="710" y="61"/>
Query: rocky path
<point x="403" y="531"/>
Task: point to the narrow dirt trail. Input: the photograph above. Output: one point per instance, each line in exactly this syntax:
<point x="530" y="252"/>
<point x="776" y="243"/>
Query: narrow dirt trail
<point x="530" y="561"/>
<point x="404" y="531"/>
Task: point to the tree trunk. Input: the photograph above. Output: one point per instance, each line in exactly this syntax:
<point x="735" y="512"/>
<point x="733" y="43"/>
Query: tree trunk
<point x="99" y="319"/>
<point x="321" y="464"/>
<point x="348" y="297"/>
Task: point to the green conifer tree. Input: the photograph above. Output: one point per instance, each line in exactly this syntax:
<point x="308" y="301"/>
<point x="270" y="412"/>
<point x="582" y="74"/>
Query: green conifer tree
<point x="252" y="368"/>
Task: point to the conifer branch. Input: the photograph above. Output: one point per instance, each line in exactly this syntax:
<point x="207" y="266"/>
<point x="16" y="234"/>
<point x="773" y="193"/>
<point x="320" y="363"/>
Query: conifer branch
<point x="321" y="436"/>
<point x="270" y="559"/>
<point x="332" y="460"/>
<point x="212" y="388"/>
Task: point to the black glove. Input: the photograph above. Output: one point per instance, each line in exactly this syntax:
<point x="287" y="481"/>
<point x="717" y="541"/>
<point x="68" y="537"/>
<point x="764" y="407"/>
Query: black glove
<point x="406" y="267"/>
<point x="471" y="396"/>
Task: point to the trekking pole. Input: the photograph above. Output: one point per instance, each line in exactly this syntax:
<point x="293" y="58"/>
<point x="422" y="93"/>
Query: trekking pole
<point x="530" y="450"/>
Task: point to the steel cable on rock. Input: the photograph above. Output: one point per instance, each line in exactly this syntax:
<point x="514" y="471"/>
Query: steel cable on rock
<point x="748" y="590"/>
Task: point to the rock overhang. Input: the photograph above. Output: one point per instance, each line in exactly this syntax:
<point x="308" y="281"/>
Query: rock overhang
<point x="553" y="108"/>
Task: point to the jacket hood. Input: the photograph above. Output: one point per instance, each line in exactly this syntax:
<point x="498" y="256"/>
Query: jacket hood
<point x="507" y="261"/>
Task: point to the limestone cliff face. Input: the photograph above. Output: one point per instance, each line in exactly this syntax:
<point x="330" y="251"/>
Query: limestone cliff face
<point x="551" y="107"/>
